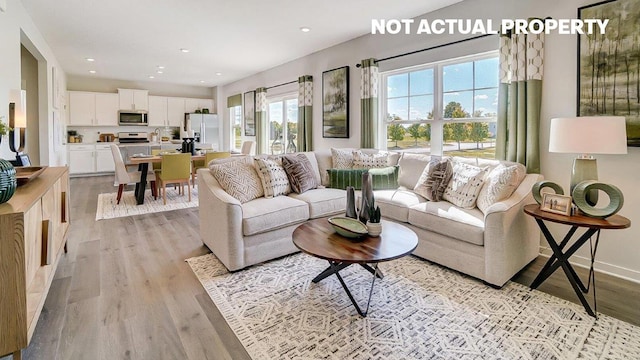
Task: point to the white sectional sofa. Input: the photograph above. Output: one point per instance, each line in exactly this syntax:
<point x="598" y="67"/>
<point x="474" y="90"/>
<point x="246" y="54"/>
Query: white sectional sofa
<point x="491" y="246"/>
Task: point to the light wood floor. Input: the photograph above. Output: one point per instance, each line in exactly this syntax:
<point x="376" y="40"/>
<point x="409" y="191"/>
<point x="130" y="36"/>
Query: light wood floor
<point x="124" y="291"/>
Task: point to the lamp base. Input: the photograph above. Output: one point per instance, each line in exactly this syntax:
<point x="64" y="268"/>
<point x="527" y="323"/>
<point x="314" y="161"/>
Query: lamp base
<point x="585" y="169"/>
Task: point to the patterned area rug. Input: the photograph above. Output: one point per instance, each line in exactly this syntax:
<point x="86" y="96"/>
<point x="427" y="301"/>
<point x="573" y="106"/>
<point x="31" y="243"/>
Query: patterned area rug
<point x="418" y="311"/>
<point x="108" y="209"/>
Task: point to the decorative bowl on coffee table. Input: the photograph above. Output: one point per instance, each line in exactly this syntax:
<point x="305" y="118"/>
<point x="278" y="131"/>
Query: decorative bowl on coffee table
<point x="348" y="227"/>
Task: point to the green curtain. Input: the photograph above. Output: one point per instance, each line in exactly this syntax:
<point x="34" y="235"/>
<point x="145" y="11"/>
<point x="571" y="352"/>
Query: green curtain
<point x="369" y="103"/>
<point x="234" y="100"/>
<point x="519" y="99"/>
<point x="261" y="120"/>
<point x="305" y="113"/>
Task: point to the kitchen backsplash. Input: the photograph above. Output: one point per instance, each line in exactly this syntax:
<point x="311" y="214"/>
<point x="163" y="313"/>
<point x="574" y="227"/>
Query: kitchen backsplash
<point x="91" y="134"/>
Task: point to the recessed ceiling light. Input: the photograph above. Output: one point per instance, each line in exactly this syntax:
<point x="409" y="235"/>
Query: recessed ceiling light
<point x="159" y="71"/>
<point x="201" y="81"/>
<point x="160" y="67"/>
<point x="151" y="77"/>
<point x="92" y="71"/>
<point x="184" y="50"/>
<point x="305" y="29"/>
<point x="218" y="73"/>
<point x="90" y="59"/>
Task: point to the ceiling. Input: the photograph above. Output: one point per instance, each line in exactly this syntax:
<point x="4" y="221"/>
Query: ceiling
<point x="227" y="39"/>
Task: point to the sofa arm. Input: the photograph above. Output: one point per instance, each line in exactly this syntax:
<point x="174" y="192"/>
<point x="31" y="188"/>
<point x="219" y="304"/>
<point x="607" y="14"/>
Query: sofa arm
<point x="511" y="238"/>
<point x="220" y="221"/>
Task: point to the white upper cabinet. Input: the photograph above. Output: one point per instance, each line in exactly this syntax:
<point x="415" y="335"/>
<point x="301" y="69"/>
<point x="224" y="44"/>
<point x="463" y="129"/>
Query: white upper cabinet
<point x="132" y="99"/>
<point x="106" y="109"/>
<point x="176" y="109"/>
<point x="93" y="109"/>
<point x="158" y="111"/>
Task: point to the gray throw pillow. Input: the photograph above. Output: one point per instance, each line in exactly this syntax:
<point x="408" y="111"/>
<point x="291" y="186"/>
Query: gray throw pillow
<point x="434" y="179"/>
<point x="300" y="173"/>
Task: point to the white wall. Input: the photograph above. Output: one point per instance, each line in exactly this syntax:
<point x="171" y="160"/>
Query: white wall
<point x="619" y="251"/>
<point x="17" y="26"/>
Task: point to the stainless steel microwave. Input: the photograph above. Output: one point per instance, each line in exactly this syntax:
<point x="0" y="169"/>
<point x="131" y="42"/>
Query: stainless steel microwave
<point x="137" y="117"/>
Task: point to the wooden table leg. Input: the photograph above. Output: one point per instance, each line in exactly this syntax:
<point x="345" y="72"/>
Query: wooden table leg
<point x="17" y="355"/>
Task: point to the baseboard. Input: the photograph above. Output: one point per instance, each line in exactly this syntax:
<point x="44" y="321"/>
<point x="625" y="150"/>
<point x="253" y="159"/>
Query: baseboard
<point x="601" y="267"/>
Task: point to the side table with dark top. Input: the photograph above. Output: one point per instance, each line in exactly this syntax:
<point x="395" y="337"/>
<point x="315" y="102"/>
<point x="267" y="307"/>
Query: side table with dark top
<point x="560" y="257"/>
<point x="317" y="238"/>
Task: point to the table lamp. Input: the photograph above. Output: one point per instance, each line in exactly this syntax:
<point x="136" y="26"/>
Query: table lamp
<point x="585" y="136"/>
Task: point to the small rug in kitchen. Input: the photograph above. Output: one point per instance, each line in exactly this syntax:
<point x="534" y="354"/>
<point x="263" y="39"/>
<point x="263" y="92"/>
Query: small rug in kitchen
<point x="108" y="209"/>
<point x="418" y="311"/>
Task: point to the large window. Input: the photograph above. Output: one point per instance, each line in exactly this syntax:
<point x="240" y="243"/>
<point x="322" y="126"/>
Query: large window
<point x="235" y="115"/>
<point x="282" y="115"/>
<point x="442" y="108"/>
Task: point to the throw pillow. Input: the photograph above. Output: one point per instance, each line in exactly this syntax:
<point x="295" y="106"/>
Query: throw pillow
<point x="434" y="179"/>
<point x="239" y="179"/>
<point x="273" y="177"/>
<point x="341" y="178"/>
<point x="368" y="161"/>
<point x="381" y="178"/>
<point x="384" y="178"/>
<point x="501" y="182"/>
<point x="464" y="186"/>
<point x="342" y="159"/>
<point x="300" y="173"/>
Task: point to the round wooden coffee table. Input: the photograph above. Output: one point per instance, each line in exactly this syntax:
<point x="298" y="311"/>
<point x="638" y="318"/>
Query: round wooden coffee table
<point x="317" y="238"/>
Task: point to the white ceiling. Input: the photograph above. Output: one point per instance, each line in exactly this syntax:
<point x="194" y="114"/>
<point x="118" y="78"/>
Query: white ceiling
<point x="238" y="38"/>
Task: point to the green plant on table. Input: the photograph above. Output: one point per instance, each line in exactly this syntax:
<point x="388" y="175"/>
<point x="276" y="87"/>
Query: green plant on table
<point x="4" y="128"/>
<point x="374" y="214"/>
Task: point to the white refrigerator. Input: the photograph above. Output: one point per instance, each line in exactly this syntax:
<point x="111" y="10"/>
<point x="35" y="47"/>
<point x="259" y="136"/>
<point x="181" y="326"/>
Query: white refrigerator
<point x="207" y="129"/>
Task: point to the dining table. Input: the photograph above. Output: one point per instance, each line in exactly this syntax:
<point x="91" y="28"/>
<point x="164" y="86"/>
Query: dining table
<point x="143" y="166"/>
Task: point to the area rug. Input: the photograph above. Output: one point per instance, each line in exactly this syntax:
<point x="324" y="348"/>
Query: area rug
<point x="418" y="311"/>
<point x="108" y="209"/>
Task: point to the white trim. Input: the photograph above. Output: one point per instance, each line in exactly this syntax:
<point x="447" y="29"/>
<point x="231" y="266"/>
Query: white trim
<point x="599" y="266"/>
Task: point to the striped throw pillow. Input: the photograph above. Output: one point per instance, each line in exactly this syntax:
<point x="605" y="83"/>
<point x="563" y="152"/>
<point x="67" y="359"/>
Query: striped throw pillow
<point x="381" y="178"/>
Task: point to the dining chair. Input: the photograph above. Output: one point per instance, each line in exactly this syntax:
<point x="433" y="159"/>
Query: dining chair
<point x="248" y="147"/>
<point x="156" y="165"/>
<point x="123" y="177"/>
<point x="208" y="156"/>
<point x="175" y="169"/>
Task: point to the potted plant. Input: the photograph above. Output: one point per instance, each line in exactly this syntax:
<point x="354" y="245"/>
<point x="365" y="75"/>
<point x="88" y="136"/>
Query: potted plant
<point x="4" y="128"/>
<point x="373" y="224"/>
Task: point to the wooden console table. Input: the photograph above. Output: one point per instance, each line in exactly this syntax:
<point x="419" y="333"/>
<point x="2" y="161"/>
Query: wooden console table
<point x="561" y="259"/>
<point x="33" y="233"/>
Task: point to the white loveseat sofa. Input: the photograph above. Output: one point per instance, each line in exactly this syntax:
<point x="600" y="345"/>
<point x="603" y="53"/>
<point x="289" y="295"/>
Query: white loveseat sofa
<point x="491" y="246"/>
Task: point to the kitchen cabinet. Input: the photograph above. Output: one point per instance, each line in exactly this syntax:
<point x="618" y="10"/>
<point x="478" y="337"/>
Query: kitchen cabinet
<point x="158" y="111"/>
<point x="133" y="99"/>
<point x="93" y="109"/>
<point x="191" y="104"/>
<point x="175" y="111"/>
<point x="90" y="159"/>
<point x="33" y="232"/>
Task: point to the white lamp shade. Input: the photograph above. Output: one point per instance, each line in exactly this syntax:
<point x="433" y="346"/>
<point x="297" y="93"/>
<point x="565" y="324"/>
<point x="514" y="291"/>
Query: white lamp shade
<point x="19" y="98"/>
<point x="588" y="135"/>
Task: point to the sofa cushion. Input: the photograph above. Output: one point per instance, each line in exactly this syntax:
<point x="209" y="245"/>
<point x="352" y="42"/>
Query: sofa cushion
<point x="500" y="184"/>
<point x="434" y="179"/>
<point x="323" y="202"/>
<point x="273" y="177"/>
<point x="447" y="219"/>
<point x="411" y="167"/>
<point x="465" y="185"/>
<point x="262" y="214"/>
<point x="368" y="161"/>
<point x="300" y="173"/>
<point x="395" y="204"/>
<point x="239" y="179"/>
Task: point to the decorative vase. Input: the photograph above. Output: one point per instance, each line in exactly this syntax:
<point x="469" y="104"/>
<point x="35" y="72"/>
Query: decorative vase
<point x="367" y="197"/>
<point x="351" y="203"/>
<point x="374" y="228"/>
<point x="8" y="181"/>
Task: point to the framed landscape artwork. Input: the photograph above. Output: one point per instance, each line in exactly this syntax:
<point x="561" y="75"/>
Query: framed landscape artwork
<point x="335" y="103"/>
<point x="609" y="65"/>
<point x="250" y="113"/>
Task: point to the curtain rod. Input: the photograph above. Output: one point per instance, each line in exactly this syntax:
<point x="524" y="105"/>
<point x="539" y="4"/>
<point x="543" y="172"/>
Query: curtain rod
<point x="430" y="48"/>
<point x="283" y="84"/>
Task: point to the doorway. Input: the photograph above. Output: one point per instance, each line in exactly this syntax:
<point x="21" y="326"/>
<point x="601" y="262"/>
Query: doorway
<point x="29" y="76"/>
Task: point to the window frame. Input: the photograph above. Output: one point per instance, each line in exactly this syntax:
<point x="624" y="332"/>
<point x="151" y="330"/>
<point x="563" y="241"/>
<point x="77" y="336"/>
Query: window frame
<point x="281" y="98"/>
<point x="438" y="121"/>
<point x="235" y="112"/>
